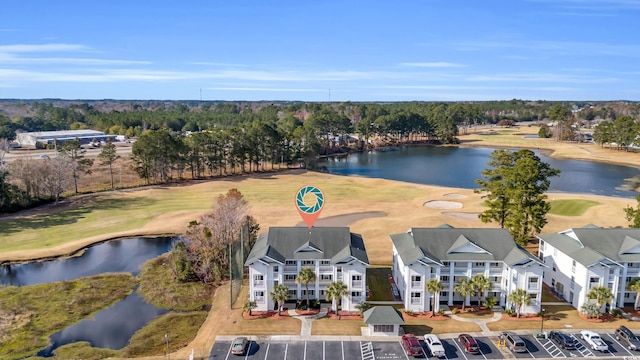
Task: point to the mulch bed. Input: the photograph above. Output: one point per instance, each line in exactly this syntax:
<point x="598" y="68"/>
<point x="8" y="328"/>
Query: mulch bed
<point x="603" y="318"/>
<point x="273" y="315"/>
<point x="307" y="312"/>
<point x="345" y="315"/>
<point x="524" y="317"/>
<point x="428" y="316"/>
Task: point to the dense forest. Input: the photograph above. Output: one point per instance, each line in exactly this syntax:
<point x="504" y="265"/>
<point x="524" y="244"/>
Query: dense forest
<point x="177" y="139"/>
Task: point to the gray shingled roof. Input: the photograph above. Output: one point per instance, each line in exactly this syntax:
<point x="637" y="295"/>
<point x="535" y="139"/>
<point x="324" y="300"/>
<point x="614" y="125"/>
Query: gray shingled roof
<point x="383" y="315"/>
<point x="452" y="244"/>
<point x="335" y="243"/>
<point x="595" y="244"/>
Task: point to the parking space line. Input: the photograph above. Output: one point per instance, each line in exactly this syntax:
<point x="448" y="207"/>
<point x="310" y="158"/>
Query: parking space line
<point x="342" y="346"/>
<point x="286" y="347"/>
<point x="455" y="341"/>
<point x="266" y="353"/>
<point x="550" y="345"/>
<point x="583" y="350"/>
<point x="613" y="339"/>
<point x="246" y="355"/>
<point x="404" y="351"/>
<point x="305" y="350"/>
<point x="323" y="344"/>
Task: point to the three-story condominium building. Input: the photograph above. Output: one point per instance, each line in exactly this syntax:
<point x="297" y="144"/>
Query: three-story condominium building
<point x="579" y="259"/>
<point x="449" y="254"/>
<point x="334" y="253"/>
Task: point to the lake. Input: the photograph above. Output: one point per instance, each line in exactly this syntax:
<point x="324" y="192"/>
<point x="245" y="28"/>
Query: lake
<point x="461" y="166"/>
<point x="112" y="327"/>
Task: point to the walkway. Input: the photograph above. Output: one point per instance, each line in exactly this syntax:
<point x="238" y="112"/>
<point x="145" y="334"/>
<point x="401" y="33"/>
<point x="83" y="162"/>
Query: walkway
<point x="305" y="329"/>
<point x="482" y="323"/>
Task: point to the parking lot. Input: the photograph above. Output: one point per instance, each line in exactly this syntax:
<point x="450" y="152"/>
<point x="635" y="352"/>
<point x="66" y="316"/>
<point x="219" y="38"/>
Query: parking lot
<point x="365" y="350"/>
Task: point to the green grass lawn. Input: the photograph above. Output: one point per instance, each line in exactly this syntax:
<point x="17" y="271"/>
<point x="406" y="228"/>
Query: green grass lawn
<point x="571" y="207"/>
<point x="379" y="284"/>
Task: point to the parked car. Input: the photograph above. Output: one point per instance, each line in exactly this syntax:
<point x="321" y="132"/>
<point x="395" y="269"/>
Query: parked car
<point x="594" y="340"/>
<point x="565" y="341"/>
<point x="627" y="338"/>
<point x="239" y="345"/>
<point x="469" y="344"/>
<point x="412" y="345"/>
<point x="434" y="345"/>
<point x="514" y="342"/>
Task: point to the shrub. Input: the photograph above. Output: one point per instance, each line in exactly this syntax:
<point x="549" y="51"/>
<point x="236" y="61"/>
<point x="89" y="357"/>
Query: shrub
<point x="441" y="311"/>
<point x="510" y="312"/>
<point x="409" y="312"/>
<point x="455" y="311"/>
<point x="616" y="312"/>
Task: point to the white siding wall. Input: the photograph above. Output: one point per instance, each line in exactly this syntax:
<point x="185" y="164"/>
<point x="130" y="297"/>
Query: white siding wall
<point x="358" y="270"/>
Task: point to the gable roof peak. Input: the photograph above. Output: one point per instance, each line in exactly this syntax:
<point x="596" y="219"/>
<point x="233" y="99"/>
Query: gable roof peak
<point x="464" y="245"/>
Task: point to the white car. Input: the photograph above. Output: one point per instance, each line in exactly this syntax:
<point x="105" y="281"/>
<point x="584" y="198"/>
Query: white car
<point x="435" y="345"/>
<point x="594" y="340"/>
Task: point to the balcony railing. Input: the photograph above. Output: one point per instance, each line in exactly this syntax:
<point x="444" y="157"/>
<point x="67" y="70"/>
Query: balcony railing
<point x="291" y="268"/>
<point x="259" y="299"/>
<point x="259" y="283"/>
<point x="416" y="284"/>
<point x="460" y="269"/>
<point x="356" y="284"/>
<point x="535" y="286"/>
<point x="416" y="301"/>
<point x="325" y="269"/>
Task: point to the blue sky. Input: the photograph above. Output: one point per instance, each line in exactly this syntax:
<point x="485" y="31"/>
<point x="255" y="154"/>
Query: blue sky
<point x="321" y="50"/>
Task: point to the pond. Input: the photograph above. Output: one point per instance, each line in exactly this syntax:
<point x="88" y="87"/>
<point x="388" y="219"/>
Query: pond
<point x="461" y="166"/>
<point x="112" y="327"/>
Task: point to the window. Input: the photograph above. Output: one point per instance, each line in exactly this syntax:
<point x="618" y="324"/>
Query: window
<point x="415" y="278"/>
<point x="554" y="267"/>
<point x="290" y="262"/>
<point x="292" y="293"/>
<point x="290" y="277"/>
<point x="495" y="264"/>
<point x="553" y="283"/>
<point x="258" y="279"/>
<point x="258" y="297"/>
<point x="573" y="281"/>
<point x="494" y="279"/>
<point x="478" y="264"/>
<point x="325" y="262"/>
<point x="542" y="244"/>
<point x="308" y="262"/>
<point x="594" y="279"/>
<point x="326" y="277"/>
<point x="356" y="277"/>
<point x="444" y="278"/>
<point x="276" y="269"/>
<point x="416" y="298"/>
<point x="311" y="292"/>
<point x="444" y="293"/>
<point x="356" y="294"/>
<point x="383" y="328"/>
<point x="321" y="293"/>
<point x="445" y="263"/>
<point x="534" y="298"/>
<point x="534" y="283"/>
<point x="573" y="266"/>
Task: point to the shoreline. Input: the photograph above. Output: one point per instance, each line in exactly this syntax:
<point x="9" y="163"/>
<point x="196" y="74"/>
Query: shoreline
<point x="173" y="224"/>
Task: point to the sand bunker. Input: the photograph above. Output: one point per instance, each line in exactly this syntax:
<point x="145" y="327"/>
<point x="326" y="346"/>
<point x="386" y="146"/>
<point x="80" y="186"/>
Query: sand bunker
<point x="443" y="205"/>
<point x="462" y="215"/>
<point x="455" y="196"/>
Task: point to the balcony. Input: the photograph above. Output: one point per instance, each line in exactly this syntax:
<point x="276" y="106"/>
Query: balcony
<point x="356" y="284"/>
<point x="326" y="269"/>
<point x="291" y="268"/>
<point x="416" y="284"/>
<point x="416" y="301"/>
<point x="259" y="299"/>
<point x="460" y="270"/>
<point x="258" y="283"/>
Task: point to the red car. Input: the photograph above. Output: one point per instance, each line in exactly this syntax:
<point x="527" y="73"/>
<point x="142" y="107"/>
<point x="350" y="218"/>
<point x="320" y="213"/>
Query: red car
<point x="412" y="345"/>
<point x="469" y="344"/>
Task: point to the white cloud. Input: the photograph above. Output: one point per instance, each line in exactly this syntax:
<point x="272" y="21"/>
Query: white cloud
<point x="263" y="89"/>
<point x="29" y="48"/>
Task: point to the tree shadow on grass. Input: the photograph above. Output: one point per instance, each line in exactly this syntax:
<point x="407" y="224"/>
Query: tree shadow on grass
<point x="417" y="329"/>
<point x="71" y="215"/>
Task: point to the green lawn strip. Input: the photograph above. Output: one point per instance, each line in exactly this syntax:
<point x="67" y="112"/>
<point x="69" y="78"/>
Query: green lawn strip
<point x="159" y="287"/>
<point x="32" y="313"/>
<point x="84" y="350"/>
<point x="571" y="207"/>
<point x="378" y="284"/>
<point x="180" y="328"/>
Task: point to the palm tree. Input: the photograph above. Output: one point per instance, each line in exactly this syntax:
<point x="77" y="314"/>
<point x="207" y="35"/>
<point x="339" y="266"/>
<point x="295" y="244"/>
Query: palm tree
<point x="279" y="294"/>
<point x="634" y="285"/>
<point x="480" y="284"/>
<point x="520" y="298"/>
<point x="602" y="295"/>
<point x="305" y="276"/>
<point x="334" y="292"/>
<point x="249" y="305"/>
<point x="434" y="286"/>
<point x="464" y="288"/>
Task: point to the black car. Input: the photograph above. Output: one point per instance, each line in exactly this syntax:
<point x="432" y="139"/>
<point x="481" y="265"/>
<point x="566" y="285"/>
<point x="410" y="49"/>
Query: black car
<point x="565" y="341"/>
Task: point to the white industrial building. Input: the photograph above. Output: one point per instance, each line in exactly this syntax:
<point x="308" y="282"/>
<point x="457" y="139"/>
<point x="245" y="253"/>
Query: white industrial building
<point x="42" y="139"/>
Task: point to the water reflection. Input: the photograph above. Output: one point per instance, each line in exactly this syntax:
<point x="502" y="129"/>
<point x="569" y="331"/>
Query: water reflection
<point x="461" y="166"/>
<point x="126" y="255"/>
<point x="111" y="328"/>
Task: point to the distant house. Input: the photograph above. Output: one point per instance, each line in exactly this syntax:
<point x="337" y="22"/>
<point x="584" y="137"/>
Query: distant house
<point x="334" y="253"/>
<point x="383" y="320"/>
<point x="579" y="259"/>
<point x="449" y="254"/>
